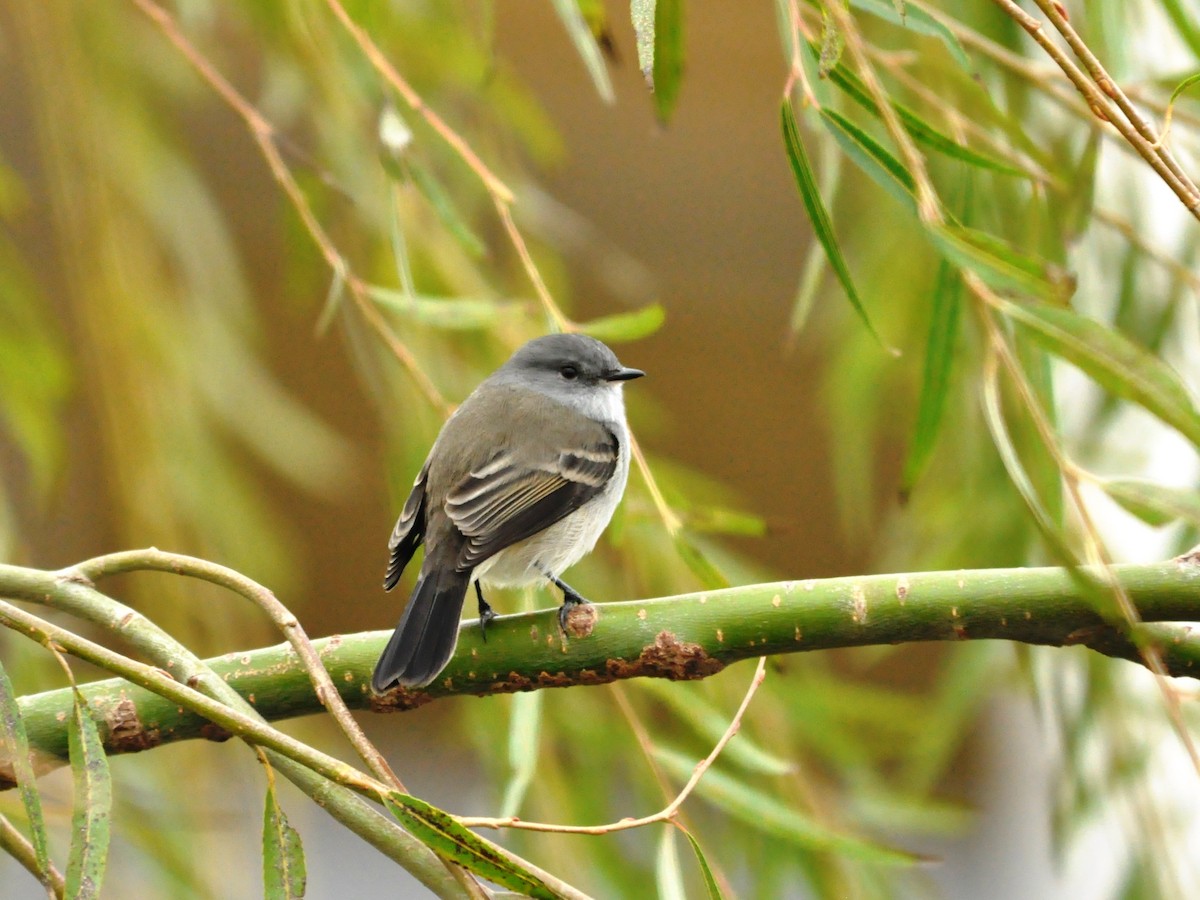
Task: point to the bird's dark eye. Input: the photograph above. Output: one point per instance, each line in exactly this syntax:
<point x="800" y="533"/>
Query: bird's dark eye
<point x="569" y="372"/>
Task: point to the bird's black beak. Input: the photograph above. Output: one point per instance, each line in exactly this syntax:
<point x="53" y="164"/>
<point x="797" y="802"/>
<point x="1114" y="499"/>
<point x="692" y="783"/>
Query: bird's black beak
<point x="623" y="374"/>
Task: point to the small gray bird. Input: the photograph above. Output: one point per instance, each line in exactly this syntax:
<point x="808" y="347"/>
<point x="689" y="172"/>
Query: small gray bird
<point x="517" y="488"/>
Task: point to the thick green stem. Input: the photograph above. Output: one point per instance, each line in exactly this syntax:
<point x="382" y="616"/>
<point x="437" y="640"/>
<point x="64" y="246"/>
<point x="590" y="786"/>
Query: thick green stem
<point x="683" y="637"/>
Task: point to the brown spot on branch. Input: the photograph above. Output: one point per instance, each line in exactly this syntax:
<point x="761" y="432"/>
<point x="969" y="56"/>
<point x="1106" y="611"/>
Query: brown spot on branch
<point x="126" y="733"/>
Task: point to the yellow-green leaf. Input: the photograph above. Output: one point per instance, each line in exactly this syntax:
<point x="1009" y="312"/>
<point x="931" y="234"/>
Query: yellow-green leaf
<point x="1112" y="360"/>
<point x="1155" y="504"/>
<point x="627" y="326"/>
<point x="584" y="38"/>
<point x="441" y="833"/>
<point x="935" y="382"/>
<point x="1001" y="266"/>
<point x="668" y="56"/>
<point x="871" y="156"/>
<point x="817" y="213"/>
<point x="448" y="313"/>
<point x="916" y="19"/>
<point x="710" y="883"/>
<point x="17" y="741"/>
<point x="91" y="820"/>
<point x="284" y="872"/>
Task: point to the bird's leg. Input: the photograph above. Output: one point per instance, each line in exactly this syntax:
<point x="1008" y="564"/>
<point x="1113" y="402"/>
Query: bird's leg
<point x="486" y="613"/>
<point x="571" y="598"/>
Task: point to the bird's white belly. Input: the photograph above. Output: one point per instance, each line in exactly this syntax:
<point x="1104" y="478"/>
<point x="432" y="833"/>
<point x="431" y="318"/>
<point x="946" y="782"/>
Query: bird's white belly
<point x="554" y="550"/>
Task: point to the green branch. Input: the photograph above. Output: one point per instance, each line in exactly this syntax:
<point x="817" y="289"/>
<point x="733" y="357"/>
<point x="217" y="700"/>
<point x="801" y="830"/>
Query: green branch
<point x="684" y="637"/>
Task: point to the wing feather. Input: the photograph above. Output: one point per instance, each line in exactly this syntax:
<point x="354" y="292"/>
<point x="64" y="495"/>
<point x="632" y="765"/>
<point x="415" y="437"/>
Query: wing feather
<point x="501" y="503"/>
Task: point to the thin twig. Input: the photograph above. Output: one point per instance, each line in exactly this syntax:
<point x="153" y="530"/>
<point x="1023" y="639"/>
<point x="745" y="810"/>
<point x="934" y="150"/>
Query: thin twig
<point x="929" y="207"/>
<point x="557" y="319"/>
<point x="155" y="560"/>
<point x="667" y="813"/>
<point x="1113" y="90"/>
<point x="19" y="847"/>
<point x="1102" y="107"/>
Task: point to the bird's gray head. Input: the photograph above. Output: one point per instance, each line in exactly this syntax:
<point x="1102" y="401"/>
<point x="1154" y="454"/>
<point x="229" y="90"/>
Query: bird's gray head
<point x="566" y="365"/>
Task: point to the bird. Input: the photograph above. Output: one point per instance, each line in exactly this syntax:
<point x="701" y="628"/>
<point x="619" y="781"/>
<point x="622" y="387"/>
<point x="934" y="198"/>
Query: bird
<point x="519" y="485"/>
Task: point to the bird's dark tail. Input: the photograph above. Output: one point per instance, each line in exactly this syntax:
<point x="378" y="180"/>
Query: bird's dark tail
<point x="424" y="640"/>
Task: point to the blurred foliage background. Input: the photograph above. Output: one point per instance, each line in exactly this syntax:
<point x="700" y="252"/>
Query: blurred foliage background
<point x="181" y="366"/>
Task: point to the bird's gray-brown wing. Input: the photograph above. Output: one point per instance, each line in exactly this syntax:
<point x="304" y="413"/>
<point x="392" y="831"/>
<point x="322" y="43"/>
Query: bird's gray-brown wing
<point x="502" y="501"/>
<point x="409" y="531"/>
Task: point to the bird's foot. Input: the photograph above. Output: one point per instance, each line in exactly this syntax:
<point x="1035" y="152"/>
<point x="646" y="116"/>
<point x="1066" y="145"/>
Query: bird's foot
<point x="486" y="613"/>
<point x="571" y="599"/>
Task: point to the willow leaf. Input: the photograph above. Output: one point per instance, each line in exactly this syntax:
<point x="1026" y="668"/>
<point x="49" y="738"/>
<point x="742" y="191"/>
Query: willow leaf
<point x="935" y="381"/>
<point x="91" y="820"/>
<point x="1112" y="360"/>
<point x="284" y="872"/>
<point x="871" y="156"/>
<point x="1155" y="504"/>
<point x="916" y="19"/>
<point x="1001" y="266"/>
<point x="642" y="14"/>
<point x="668" y="56"/>
<point x="710" y="883"/>
<point x="442" y="833"/>
<point x="817" y="213"/>
<point x="922" y="131"/>
<point x="627" y="326"/>
<point x="17" y="740"/>
<point x="584" y="38"/>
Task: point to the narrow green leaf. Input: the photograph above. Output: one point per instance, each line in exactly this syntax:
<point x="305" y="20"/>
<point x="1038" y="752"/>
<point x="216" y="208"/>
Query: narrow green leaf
<point x="596" y="17"/>
<point x="284" y="871"/>
<point x="935" y="381"/>
<point x="642" y="13"/>
<point x="922" y="131"/>
<point x="1081" y="196"/>
<point x="998" y="264"/>
<point x="408" y="286"/>
<point x="720" y="520"/>
<point x="710" y="883"/>
<point x="439" y="198"/>
<point x="91" y="819"/>
<point x="709" y="723"/>
<point x="916" y="19"/>
<point x="817" y="213"/>
<point x="871" y="156"/>
<point x="17" y="741"/>
<point x="765" y="813"/>
<point x="1179" y="89"/>
<point x="440" y="832"/>
<point x="710" y="576"/>
<point x="668" y="873"/>
<point x="524" y="729"/>
<point x="993" y="414"/>
<point x="832" y="44"/>
<point x="449" y="313"/>
<point x="1037" y="370"/>
<point x="1155" y="504"/>
<point x="586" y="45"/>
<point x="627" y="326"/>
<point x="668" y="56"/>
<point x="333" y="300"/>
<point x="806" y="291"/>
<point x="1112" y="360"/>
